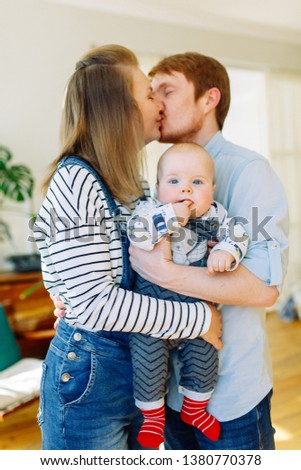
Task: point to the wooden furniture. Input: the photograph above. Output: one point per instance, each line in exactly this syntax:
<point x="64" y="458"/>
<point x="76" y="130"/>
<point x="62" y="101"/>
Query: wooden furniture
<point x="31" y="319"/>
<point x="10" y="411"/>
<point x="19" y="385"/>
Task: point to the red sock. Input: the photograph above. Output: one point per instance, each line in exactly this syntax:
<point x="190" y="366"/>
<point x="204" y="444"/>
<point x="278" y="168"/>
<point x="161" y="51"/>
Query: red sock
<point x="194" y="412"/>
<point x="152" y="429"/>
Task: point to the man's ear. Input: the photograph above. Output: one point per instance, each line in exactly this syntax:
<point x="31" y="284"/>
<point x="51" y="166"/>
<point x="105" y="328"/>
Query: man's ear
<point x="213" y="97"/>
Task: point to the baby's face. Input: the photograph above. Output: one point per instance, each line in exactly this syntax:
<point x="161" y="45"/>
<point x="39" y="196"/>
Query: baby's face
<point x="187" y="176"/>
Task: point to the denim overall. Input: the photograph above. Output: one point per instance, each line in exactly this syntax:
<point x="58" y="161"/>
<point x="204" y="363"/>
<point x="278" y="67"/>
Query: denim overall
<point x="86" y="390"/>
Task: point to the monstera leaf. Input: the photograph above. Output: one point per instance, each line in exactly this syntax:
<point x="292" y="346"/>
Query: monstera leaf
<point x="16" y="181"/>
<point x="5" y="157"/>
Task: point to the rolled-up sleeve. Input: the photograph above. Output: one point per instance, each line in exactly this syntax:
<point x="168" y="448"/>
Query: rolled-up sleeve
<point x="259" y="199"/>
<point x="264" y="261"/>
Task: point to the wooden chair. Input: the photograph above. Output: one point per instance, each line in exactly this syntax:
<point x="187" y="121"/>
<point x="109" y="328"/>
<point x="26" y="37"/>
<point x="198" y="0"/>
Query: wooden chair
<point x="19" y="377"/>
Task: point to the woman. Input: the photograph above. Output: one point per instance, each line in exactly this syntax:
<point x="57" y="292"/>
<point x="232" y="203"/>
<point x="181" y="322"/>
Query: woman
<point x="86" y="391"/>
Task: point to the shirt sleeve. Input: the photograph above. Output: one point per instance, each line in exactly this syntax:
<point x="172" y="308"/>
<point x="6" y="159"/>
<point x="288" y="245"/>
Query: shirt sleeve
<point x="259" y="202"/>
<point x="77" y="255"/>
<point x="151" y="222"/>
<point x="232" y="236"/>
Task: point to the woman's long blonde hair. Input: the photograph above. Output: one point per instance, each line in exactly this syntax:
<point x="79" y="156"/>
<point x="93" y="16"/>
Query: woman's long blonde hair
<point x="101" y="121"/>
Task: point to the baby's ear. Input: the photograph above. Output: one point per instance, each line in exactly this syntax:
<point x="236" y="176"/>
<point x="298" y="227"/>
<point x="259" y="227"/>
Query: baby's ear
<point x="213" y="189"/>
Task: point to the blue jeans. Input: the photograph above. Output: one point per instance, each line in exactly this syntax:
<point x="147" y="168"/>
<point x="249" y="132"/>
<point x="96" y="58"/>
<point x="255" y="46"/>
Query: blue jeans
<point x="253" y="431"/>
<point x="86" y="392"/>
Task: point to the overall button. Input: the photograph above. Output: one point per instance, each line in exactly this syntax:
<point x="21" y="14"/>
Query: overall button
<point x="77" y="336"/>
<point x="71" y="356"/>
<point x="65" y="377"/>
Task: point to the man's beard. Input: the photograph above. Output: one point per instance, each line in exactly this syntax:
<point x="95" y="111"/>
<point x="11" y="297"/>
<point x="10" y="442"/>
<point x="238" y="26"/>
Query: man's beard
<point x="177" y="138"/>
<point x="184" y="135"/>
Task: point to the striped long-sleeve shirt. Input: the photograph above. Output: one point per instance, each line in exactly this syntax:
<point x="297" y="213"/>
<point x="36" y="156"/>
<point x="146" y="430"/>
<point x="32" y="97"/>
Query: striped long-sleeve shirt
<point x="82" y="263"/>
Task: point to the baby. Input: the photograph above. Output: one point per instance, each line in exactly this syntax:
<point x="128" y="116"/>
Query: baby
<point x="185" y="209"/>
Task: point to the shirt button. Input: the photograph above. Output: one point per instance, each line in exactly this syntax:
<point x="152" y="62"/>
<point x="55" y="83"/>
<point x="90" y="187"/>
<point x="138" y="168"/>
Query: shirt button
<point x="65" y="377"/>
<point x="71" y="356"/>
<point x="77" y="336"/>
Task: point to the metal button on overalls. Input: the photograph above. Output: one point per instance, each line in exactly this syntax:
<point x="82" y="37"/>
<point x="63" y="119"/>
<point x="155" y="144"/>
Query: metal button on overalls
<point x="71" y="356"/>
<point x="77" y="336"/>
<point x="65" y="377"/>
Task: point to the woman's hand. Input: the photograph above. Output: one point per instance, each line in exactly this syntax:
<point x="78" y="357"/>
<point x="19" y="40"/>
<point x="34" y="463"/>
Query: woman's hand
<point x="59" y="310"/>
<point x="214" y="333"/>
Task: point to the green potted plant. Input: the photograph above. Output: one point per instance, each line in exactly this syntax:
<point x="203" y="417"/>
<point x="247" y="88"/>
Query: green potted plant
<point x="16" y="184"/>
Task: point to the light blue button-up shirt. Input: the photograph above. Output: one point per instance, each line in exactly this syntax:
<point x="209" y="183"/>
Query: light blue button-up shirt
<point x="249" y="189"/>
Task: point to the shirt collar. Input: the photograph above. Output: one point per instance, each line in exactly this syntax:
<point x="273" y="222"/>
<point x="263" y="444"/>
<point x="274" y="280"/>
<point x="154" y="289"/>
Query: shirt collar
<point x="215" y="144"/>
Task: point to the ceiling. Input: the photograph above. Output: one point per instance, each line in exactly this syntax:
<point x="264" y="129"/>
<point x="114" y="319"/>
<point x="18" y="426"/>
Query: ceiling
<point x="274" y="19"/>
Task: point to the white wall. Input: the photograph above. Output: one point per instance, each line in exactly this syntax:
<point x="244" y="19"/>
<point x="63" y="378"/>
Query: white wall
<point x="40" y="42"/>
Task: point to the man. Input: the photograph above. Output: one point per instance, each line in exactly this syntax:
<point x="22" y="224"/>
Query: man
<point x="195" y="95"/>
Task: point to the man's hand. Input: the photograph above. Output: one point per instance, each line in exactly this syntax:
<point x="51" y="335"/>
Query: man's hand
<point x="152" y="265"/>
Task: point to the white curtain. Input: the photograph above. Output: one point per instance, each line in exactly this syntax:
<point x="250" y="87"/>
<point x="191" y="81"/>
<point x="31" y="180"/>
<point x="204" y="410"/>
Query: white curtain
<point x="284" y="118"/>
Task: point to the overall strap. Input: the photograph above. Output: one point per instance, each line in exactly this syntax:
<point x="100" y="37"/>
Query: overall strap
<point x="75" y="160"/>
<point x="128" y="275"/>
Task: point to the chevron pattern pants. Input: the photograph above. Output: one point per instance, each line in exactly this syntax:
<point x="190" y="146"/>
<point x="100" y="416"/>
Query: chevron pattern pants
<point x="150" y="356"/>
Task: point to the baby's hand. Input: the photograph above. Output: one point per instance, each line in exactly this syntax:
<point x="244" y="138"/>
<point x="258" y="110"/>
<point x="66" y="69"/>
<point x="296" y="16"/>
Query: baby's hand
<point x="219" y="261"/>
<point x="182" y="211"/>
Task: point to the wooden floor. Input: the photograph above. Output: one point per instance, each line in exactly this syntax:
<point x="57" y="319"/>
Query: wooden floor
<point x="285" y="343"/>
<point x="20" y="430"/>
